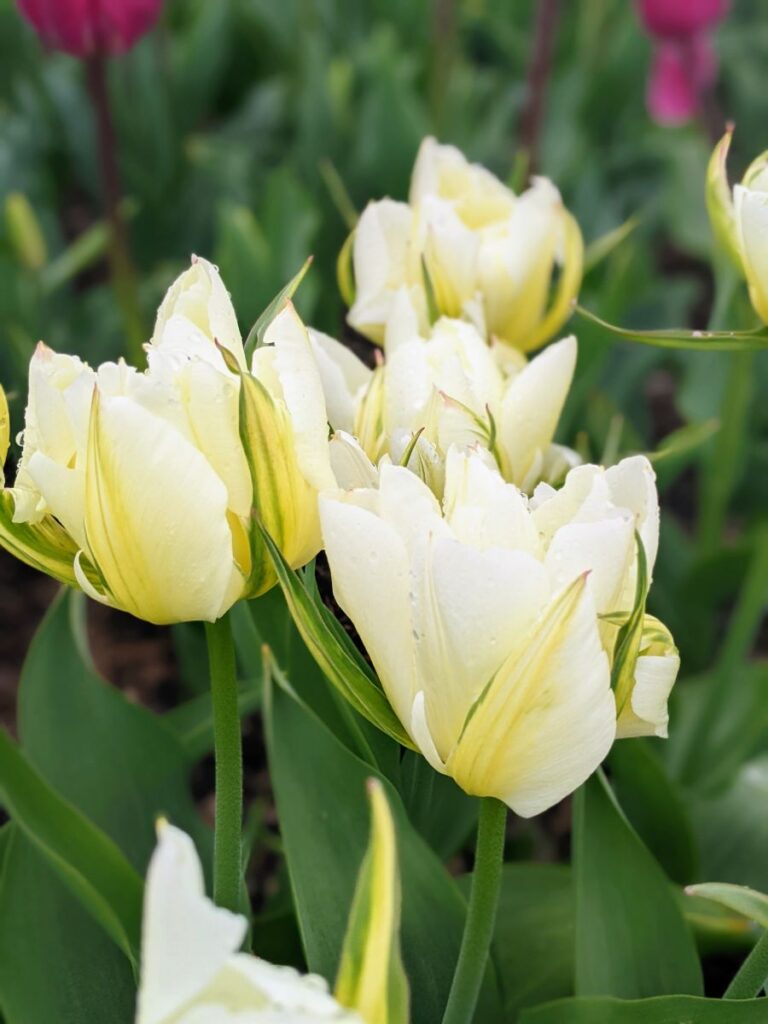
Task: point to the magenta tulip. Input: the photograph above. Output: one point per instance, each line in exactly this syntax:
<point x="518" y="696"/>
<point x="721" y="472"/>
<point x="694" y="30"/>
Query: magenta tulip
<point x="671" y="19"/>
<point x="88" y="27"/>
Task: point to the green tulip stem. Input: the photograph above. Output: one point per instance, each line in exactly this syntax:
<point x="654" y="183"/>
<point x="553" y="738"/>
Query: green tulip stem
<point x="481" y="913"/>
<point x="122" y="270"/>
<point x="752" y="974"/>
<point x="229" y="765"/>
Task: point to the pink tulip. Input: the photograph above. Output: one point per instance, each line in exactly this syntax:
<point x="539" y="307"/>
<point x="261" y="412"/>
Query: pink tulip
<point x="87" y="27"/>
<point x="684" y="65"/>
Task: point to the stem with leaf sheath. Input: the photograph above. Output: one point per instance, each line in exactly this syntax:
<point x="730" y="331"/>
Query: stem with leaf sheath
<point x="752" y="974"/>
<point x="481" y="913"/>
<point x="121" y="267"/>
<point x="229" y="765"/>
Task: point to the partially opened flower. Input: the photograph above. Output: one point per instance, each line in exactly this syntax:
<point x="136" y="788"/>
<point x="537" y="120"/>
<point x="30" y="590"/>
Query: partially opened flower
<point x="447" y="386"/>
<point x="490" y="619"/>
<point x="191" y="969"/>
<point x="141" y="487"/>
<point x="739" y="219"/>
<point x="87" y="27"/>
<point x="466" y="246"/>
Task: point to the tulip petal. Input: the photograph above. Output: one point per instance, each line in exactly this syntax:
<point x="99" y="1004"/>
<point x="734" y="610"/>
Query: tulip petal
<point x="567" y="287"/>
<point x="156" y="517"/>
<point x="531" y="407"/>
<point x="722" y="215"/>
<point x="752" y="227"/>
<point x="604" y="549"/>
<point x="632" y="484"/>
<point x="186" y="939"/>
<point x="45" y="545"/>
<point x="351" y="466"/>
<point x="371" y="582"/>
<point x="380" y="256"/>
<point x="344" y="377"/>
<point x="548" y="717"/>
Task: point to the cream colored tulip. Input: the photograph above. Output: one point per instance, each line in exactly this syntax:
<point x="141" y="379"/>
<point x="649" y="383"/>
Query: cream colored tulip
<point x="468" y="245"/>
<point x="485" y="617"/>
<point x="140" y="487"/>
<point x="192" y="970"/>
<point x="447" y="386"/>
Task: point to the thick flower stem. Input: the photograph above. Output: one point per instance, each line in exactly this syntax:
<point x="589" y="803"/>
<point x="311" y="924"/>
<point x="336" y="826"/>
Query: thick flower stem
<point x="481" y="914"/>
<point x="121" y="267"/>
<point x="752" y="974"/>
<point x="229" y="764"/>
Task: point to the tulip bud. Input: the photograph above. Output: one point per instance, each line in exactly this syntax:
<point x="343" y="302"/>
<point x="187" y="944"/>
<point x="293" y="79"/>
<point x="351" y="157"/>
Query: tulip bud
<point x="87" y="27"/>
<point x="191" y="964"/>
<point x="466" y="246"/>
<point x="142" y="488"/>
<point x="484" y="616"/>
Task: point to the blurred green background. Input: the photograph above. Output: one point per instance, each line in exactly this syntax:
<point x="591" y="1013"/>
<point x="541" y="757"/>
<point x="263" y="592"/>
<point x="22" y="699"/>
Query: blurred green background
<point x="246" y="130"/>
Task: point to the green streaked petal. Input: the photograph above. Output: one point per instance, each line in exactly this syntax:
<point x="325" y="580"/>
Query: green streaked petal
<point x="45" y="545"/>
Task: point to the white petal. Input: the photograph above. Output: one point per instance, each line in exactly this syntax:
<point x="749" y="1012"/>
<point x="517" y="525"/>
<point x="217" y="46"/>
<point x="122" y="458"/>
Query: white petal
<point x="344" y="377"/>
<point x="632" y="483"/>
<point x="605" y="550"/>
<point x="532" y="405"/>
<point x="302" y="391"/>
<point x="449" y="250"/>
<point x="351" y="466"/>
<point x="380" y="256"/>
<point x="63" y="491"/>
<point x="648" y="715"/>
<point x="752" y="227"/>
<point x="186" y="940"/>
<point x="199" y="295"/>
<point x="156" y="518"/>
<point x="371" y="582"/>
<point x="548" y="719"/>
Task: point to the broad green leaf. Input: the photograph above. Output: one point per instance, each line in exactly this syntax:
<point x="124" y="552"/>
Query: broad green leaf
<point x="319" y="788"/>
<point x="665" y="1010"/>
<point x="631" y="938"/>
<point x="444" y="814"/>
<point x="341" y="667"/>
<point x="130" y="767"/>
<point x="655" y="807"/>
<point x="712" y="341"/>
<point x="257" y="332"/>
<point x="732" y="833"/>
<point x="741" y="898"/>
<point x="88" y="862"/>
<point x="371" y="977"/>
<point x="56" y="962"/>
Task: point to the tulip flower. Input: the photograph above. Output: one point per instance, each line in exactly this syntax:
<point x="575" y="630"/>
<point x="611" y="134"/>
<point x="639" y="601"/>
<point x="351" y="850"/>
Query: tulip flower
<point x="466" y="246"/>
<point x="140" y="487"/>
<point x="739" y="219"/>
<point x="192" y="969"/>
<point x="684" y="63"/>
<point x="448" y="386"/>
<point x="491" y="620"/>
<point x="87" y="27"/>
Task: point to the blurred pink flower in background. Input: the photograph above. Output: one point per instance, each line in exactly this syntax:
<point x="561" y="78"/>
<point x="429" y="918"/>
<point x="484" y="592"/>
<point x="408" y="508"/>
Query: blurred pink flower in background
<point x="684" y="64"/>
<point x="87" y="27"/>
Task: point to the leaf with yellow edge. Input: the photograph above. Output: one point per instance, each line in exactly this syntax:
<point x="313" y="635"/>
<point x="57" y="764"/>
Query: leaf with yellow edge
<point x="567" y="287"/>
<point x="331" y="649"/>
<point x="257" y="332"/>
<point x="345" y="273"/>
<point x="371" y="975"/>
<point x="722" y="216"/>
<point x="748" y="902"/>
<point x="5" y="430"/>
<point x="45" y="546"/>
<point x="627" y="645"/>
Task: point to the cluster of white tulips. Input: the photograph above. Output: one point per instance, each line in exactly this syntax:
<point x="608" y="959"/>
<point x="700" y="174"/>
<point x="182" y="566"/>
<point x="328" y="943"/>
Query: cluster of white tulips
<point x="497" y="585"/>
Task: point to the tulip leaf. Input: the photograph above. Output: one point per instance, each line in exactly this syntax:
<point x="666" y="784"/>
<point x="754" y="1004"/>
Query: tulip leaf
<point x="654" y="807"/>
<point x="371" y="976"/>
<point x="320" y="788"/>
<point x="711" y="341"/>
<point x="259" y="329"/>
<point x="741" y="898"/>
<point x="664" y="1010"/>
<point x="89" y="862"/>
<point x="332" y="650"/>
<point x="631" y="938"/>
